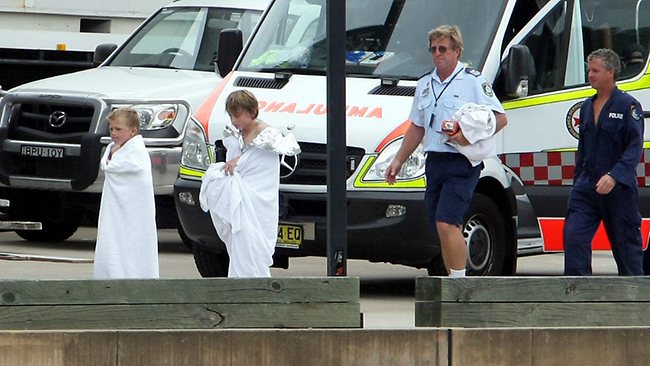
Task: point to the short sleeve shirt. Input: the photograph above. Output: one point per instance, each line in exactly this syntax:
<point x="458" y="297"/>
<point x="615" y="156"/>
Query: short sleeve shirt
<point x="437" y="100"/>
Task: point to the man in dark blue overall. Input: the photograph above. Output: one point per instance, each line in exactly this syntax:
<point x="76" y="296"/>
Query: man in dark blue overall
<point x="605" y="185"/>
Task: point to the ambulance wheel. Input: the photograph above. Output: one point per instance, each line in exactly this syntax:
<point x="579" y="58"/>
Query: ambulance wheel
<point x="210" y="263"/>
<point x="484" y="233"/>
<point x="53" y="228"/>
<point x="437" y="266"/>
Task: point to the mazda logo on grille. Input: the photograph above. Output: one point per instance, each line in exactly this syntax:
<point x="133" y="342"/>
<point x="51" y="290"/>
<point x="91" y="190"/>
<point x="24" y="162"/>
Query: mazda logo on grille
<point x="57" y="119"/>
<point x="288" y="165"/>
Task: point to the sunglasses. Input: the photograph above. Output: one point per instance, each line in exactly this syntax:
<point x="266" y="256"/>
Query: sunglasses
<point x="441" y="49"/>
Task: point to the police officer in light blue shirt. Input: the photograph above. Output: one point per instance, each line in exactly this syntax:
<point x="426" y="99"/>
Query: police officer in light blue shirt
<point x="451" y="178"/>
<point x="437" y="100"/>
<point x="605" y="181"/>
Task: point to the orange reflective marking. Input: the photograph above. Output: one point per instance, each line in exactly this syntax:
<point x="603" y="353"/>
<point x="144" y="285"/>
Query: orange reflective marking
<point x="553" y="228"/>
<point x="203" y="113"/>
<point x="396" y="133"/>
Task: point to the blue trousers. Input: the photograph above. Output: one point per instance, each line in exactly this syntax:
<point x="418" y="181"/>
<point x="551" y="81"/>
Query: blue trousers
<point x="619" y="212"/>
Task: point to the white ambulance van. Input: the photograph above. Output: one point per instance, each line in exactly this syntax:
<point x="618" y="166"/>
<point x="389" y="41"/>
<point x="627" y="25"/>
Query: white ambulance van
<point x="534" y="51"/>
<point x="53" y="131"/>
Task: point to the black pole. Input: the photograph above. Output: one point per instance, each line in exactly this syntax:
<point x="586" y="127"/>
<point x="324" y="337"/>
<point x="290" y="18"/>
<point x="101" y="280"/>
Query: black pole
<point x="337" y="236"/>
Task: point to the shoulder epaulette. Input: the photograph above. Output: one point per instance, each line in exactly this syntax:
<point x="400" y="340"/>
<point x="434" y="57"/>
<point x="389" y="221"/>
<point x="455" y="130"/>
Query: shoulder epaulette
<point x="426" y="73"/>
<point x="472" y="71"/>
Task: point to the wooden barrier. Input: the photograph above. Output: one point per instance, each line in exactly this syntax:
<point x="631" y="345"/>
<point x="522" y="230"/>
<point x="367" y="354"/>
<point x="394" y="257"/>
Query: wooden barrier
<point x="532" y="301"/>
<point x="602" y="346"/>
<point x="181" y="304"/>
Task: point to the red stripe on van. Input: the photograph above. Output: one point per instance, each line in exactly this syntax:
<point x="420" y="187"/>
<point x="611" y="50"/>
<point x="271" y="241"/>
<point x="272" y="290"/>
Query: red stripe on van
<point x="552" y="234"/>
<point x="203" y="113"/>
<point x="396" y="133"/>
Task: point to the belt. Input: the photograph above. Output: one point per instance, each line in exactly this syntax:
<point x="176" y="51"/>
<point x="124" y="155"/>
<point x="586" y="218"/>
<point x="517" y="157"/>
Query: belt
<point x="442" y="155"/>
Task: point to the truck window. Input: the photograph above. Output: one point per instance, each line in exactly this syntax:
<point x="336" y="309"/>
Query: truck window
<point x="183" y="38"/>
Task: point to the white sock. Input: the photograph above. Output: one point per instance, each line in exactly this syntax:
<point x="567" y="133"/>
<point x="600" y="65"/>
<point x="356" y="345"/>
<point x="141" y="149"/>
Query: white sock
<point x="456" y="272"/>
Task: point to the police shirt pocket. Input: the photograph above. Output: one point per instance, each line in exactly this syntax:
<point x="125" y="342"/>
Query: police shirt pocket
<point x="612" y="125"/>
<point x="424" y="101"/>
<point x="454" y="104"/>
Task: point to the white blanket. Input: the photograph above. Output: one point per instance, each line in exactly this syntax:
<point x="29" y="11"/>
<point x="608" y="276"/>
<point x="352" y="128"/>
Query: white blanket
<point x="244" y="206"/>
<point x="127" y="241"/>
<point x="478" y="124"/>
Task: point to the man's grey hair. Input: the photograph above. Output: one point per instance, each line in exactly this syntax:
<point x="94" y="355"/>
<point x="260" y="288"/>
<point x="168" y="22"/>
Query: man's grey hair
<point x="610" y="59"/>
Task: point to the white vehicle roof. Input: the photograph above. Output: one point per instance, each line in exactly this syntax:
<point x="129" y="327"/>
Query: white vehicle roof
<point x="238" y="4"/>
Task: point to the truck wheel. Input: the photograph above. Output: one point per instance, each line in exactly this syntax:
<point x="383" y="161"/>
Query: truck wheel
<point x="210" y="263"/>
<point x="484" y="233"/>
<point x="186" y="239"/>
<point x="53" y="229"/>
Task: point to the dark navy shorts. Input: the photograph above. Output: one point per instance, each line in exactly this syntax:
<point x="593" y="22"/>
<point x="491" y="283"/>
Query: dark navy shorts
<point x="451" y="180"/>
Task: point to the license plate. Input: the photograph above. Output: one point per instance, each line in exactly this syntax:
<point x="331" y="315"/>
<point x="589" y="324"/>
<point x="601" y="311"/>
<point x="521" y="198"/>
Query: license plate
<point x="289" y="236"/>
<point x="42" y="151"/>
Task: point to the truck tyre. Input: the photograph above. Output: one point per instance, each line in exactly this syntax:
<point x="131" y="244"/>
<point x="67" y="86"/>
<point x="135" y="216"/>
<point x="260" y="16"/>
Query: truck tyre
<point x="210" y="263"/>
<point x="58" y="229"/>
<point x="485" y="235"/>
<point x="189" y="243"/>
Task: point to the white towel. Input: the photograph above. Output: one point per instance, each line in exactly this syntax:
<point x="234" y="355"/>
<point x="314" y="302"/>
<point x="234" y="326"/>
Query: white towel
<point x="478" y="124"/>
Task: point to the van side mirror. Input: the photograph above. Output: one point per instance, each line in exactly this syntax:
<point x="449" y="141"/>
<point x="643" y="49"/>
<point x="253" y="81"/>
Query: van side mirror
<point x="102" y="52"/>
<point x="519" y="72"/>
<point x="231" y="43"/>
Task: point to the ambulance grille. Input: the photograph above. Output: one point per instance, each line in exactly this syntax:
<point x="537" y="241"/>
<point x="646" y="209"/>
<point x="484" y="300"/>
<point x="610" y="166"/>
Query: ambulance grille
<point x="404" y="91"/>
<point x="312" y="164"/>
<point x="262" y="83"/>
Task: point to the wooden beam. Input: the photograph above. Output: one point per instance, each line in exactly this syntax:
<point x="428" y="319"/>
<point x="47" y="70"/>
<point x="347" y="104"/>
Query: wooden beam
<point x="181" y="304"/>
<point x="532" y="301"/>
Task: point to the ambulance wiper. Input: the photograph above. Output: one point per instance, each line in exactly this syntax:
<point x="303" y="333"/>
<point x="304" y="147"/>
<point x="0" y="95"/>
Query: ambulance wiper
<point x="385" y="79"/>
<point x="292" y="70"/>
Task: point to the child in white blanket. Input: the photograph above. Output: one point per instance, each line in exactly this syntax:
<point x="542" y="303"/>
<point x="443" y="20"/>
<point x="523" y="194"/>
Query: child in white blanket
<point x="127" y="240"/>
<point x="242" y="193"/>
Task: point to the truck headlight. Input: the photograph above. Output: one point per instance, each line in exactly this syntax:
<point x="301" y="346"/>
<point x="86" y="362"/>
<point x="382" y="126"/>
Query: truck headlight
<point x="155" y="116"/>
<point x="413" y="167"/>
<point x="196" y="151"/>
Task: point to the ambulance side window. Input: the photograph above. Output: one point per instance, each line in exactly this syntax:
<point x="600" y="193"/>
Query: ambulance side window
<point x="623" y="26"/>
<point x="547" y="45"/>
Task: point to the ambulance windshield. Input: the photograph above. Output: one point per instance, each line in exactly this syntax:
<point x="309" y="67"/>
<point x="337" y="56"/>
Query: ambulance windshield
<point x="383" y="37"/>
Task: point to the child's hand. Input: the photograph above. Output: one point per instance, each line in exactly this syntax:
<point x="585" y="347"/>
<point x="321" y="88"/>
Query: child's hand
<point x="114" y="148"/>
<point x="230" y="166"/>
